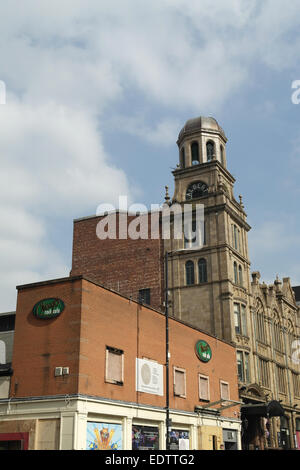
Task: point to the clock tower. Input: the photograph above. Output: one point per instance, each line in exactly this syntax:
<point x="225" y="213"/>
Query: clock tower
<point x="209" y="287"/>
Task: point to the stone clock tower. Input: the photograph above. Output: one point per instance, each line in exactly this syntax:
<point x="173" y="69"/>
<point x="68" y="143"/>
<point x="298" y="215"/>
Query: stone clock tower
<point x="209" y="287"/>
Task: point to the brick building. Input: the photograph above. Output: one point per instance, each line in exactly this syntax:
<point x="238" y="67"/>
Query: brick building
<point x="88" y="363"/>
<point x="212" y="287"/>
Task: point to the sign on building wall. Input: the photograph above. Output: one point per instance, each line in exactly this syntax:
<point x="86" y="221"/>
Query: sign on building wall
<point x="203" y="351"/>
<point x="103" y="436"/>
<point x="179" y="440"/>
<point x="149" y="377"/>
<point x="48" y="308"/>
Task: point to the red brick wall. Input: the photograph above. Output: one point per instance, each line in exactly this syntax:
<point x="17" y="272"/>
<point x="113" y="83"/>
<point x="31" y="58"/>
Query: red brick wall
<point x="122" y="265"/>
<point x="93" y="319"/>
<point x="110" y="320"/>
<point x="41" y="345"/>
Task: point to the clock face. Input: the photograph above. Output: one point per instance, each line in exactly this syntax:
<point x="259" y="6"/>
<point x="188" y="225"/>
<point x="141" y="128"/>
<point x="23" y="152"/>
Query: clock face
<point x="196" y="190"/>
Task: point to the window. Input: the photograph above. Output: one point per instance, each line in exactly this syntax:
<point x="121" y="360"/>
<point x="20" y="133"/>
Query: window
<point x="278" y="344"/>
<point x="243" y="366"/>
<point x="263" y="367"/>
<point x="224" y="390"/>
<point x="2" y="352"/>
<point x="7" y="322"/>
<point x="222" y="155"/>
<point x="296" y="385"/>
<point x="240" y="319"/>
<point x="240" y="275"/>
<point x="281" y="382"/>
<point x="114" y="365"/>
<point x="182" y="158"/>
<point x="144" y="296"/>
<point x="235" y="238"/>
<point x="204" y="388"/>
<point x="260" y="323"/>
<point x="235" y="273"/>
<point x="237" y="319"/>
<point x="189" y="273"/>
<point x="195" y="153"/>
<point x="210" y="150"/>
<point x="179" y="382"/>
<point x="202" y="267"/>
<point x="247" y="367"/>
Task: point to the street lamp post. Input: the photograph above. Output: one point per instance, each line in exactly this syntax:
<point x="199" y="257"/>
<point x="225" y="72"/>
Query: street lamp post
<point x="167" y="356"/>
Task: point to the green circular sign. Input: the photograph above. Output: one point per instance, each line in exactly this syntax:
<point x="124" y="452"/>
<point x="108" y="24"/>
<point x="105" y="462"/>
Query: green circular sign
<point x="48" y="308"/>
<point x="203" y="351"/>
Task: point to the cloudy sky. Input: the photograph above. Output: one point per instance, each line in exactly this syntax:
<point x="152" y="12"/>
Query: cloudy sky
<point x="96" y="93"/>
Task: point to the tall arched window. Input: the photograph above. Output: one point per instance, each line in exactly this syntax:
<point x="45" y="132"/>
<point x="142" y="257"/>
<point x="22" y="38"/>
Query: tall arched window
<point x="195" y="153"/>
<point x="278" y="344"/>
<point x="240" y="275"/>
<point x="189" y="273"/>
<point x="202" y="268"/>
<point x="182" y="158"/>
<point x="210" y="150"/>
<point x="260" y="322"/>
<point x="235" y="273"/>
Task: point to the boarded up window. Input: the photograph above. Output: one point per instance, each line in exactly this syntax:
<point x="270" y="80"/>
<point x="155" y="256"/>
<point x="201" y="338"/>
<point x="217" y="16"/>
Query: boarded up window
<point x="203" y="387"/>
<point x="179" y="382"/>
<point x="224" y="390"/>
<point x="114" y="365"/>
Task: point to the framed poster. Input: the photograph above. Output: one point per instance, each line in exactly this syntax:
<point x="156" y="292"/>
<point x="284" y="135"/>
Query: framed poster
<point x="145" y="438"/>
<point x="103" y="436"/>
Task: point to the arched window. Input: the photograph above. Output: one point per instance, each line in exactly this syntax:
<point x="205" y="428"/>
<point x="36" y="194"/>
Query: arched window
<point x="182" y="158"/>
<point x="222" y="155"/>
<point x="260" y="322"/>
<point x="202" y="268"/>
<point x="240" y="275"/>
<point x="278" y="344"/>
<point x="195" y="153"/>
<point x="235" y="273"/>
<point x="210" y="150"/>
<point x="189" y="273"/>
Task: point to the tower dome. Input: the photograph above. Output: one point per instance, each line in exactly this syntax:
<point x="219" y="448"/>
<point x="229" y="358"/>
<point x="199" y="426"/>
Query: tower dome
<point x="198" y="124"/>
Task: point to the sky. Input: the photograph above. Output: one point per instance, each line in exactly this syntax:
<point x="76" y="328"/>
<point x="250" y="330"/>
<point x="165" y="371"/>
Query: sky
<point x="96" y="94"/>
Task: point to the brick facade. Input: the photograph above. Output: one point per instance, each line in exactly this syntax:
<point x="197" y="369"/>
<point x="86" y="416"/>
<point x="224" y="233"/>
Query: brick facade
<point x="94" y="318"/>
<point x="123" y="265"/>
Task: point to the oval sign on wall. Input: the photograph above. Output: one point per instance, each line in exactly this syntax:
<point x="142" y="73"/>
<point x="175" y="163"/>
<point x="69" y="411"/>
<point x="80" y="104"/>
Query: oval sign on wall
<point x="48" y="308"/>
<point x="203" y="351"/>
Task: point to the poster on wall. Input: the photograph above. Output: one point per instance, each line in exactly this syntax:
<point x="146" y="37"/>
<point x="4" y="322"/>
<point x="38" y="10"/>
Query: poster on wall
<point x="145" y="438"/>
<point x="104" y="436"/>
<point x="149" y="377"/>
<point x="179" y="440"/>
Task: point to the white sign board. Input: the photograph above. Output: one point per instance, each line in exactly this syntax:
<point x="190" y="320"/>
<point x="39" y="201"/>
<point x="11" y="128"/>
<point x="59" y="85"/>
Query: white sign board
<point x="149" y="377"/>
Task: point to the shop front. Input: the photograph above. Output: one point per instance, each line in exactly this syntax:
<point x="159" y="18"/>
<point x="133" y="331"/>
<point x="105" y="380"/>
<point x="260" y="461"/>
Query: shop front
<point x="256" y="425"/>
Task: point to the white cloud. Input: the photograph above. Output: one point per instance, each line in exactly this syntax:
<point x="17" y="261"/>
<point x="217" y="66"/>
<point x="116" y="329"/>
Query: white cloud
<point x="66" y="64"/>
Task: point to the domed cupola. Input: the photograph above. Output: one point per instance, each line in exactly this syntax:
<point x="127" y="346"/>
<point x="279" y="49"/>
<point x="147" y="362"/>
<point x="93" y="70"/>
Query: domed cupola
<point x="201" y="140"/>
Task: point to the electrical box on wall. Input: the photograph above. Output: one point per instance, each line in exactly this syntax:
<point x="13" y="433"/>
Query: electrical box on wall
<point x="58" y="371"/>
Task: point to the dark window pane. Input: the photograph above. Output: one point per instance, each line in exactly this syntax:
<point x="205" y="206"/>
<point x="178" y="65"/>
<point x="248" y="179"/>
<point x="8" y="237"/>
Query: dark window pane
<point x="190" y="275"/>
<point x="144" y="296"/>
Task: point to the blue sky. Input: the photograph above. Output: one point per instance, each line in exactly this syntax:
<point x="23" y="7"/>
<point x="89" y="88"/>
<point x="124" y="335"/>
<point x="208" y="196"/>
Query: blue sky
<point x="97" y="93"/>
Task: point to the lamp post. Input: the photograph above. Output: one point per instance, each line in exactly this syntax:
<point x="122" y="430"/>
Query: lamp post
<point x="167" y="356"/>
